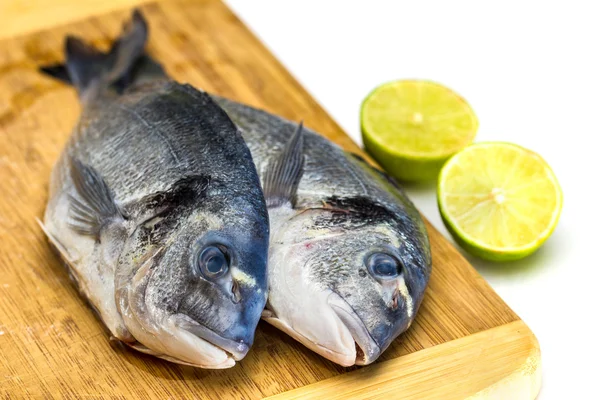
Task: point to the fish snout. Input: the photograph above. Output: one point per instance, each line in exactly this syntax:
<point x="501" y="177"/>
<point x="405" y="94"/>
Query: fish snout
<point x="235" y="349"/>
<point x="367" y="349"/>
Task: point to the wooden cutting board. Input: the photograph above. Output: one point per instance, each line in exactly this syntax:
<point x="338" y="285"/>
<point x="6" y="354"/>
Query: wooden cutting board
<point x="465" y="342"/>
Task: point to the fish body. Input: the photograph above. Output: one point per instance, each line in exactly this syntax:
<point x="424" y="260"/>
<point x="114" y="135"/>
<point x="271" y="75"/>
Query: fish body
<point x="156" y="207"/>
<point x="349" y="256"/>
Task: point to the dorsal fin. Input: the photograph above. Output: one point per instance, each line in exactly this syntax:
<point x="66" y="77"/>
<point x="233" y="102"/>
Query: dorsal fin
<point x="284" y="172"/>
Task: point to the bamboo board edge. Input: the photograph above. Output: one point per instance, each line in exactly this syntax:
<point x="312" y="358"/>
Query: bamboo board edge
<point x="499" y="363"/>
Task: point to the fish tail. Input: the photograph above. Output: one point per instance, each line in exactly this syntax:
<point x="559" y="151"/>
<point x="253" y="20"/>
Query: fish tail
<point x="91" y="70"/>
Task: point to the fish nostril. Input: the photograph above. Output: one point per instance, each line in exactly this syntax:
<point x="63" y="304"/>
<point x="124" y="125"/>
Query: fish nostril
<point x="395" y="299"/>
<point x="235" y="292"/>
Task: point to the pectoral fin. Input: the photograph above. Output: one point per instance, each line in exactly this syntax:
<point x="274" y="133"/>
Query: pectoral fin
<point x="94" y="206"/>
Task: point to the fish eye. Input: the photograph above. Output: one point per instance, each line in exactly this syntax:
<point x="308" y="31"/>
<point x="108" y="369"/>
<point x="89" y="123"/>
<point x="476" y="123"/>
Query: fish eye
<point x="213" y="261"/>
<point x="383" y="266"/>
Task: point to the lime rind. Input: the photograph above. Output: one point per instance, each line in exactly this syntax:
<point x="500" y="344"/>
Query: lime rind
<point x="443" y="153"/>
<point x="407" y="164"/>
<point x="485" y="250"/>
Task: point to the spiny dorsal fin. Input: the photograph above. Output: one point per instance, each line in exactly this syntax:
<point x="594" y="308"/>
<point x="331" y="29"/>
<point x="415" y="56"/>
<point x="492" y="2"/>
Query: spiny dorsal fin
<point x="95" y="206"/>
<point x="283" y="174"/>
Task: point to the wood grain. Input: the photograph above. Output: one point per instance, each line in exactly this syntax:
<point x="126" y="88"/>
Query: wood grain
<point x="51" y="345"/>
<point x="25" y="16"/>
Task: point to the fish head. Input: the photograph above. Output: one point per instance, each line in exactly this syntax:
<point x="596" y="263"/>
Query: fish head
<point x="351" y="280"/>
<point x="197" y="284"/>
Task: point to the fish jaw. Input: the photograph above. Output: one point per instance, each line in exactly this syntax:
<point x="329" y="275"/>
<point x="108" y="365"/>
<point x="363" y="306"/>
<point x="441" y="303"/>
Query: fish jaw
<point x="200" y="346"/>
<point x="369" y="350"/>
<point x="333" y="340"/>
<point x="187" y="348"/>
<point x="330" y="328"/>
<point x="178" y="339"/>
<point x="236" y="350"/>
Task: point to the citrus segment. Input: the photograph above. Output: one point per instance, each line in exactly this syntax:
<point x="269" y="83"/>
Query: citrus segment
<point x="499" y="200"/>
<point x="412" y="126"/>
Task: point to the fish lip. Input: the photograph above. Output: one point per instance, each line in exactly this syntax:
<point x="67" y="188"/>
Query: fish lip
<point x="332" y="355"/>
<point x="236" y="350"/>
<point x="357" y="328"/>
<point x="138" y="346"/>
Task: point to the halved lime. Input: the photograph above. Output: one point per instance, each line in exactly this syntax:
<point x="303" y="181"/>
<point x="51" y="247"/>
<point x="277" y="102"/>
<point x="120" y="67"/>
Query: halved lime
<point x="498" y="200"/>
<point x="411" y="127"/>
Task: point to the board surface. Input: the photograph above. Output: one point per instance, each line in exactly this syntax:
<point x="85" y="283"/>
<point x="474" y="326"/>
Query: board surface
<point x="465" y="342"/>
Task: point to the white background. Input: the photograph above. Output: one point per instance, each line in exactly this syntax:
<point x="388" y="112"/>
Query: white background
<point x="531" y="72"/>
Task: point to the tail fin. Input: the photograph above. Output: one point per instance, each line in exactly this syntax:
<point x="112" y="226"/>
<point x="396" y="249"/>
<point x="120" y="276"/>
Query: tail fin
<point x="88" y="69"/>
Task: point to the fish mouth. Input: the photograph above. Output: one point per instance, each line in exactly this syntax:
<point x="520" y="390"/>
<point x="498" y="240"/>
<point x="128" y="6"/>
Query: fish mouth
<point x="366" y="348"/>
<point x="234" y="349"/>
<point x="339" y="335"/>
<point x="181" y="340"/>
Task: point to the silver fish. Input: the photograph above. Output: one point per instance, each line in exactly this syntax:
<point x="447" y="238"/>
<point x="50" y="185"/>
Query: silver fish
<point x="156" y="207"/>
<point x="349" y="255"/>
